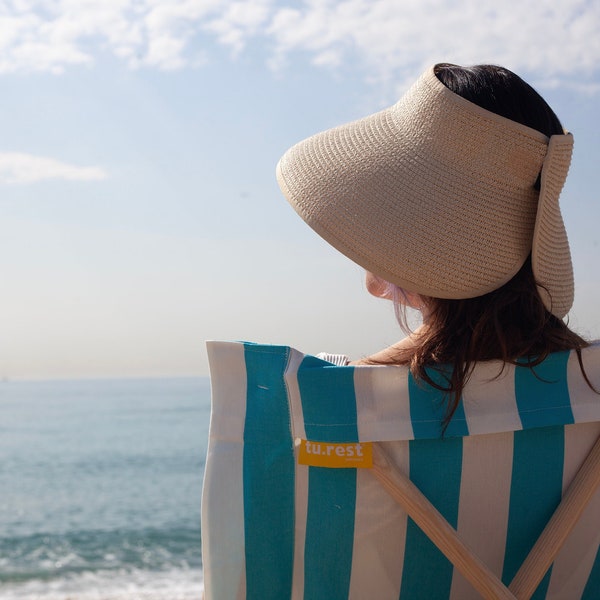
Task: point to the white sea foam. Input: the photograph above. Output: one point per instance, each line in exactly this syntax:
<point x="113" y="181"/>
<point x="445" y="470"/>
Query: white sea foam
<point x="111" y="585"/>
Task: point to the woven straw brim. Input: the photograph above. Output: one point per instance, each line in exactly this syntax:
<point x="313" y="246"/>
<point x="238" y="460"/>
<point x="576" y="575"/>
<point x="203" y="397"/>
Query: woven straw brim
<point x="433" y="194"/>
<point x="551" y="257"/>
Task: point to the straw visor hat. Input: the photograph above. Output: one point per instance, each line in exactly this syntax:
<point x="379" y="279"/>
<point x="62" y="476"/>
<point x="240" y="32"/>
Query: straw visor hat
<point x="436" y="195"/>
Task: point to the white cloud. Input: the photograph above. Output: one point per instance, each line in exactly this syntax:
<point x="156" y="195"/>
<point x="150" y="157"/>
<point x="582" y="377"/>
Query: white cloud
<point x="16" y="167"/>
<point x="549" y="39"/>
<point x="168" y="28"/>
<point x="384" y="39"/>
<point x="239" y="22"/>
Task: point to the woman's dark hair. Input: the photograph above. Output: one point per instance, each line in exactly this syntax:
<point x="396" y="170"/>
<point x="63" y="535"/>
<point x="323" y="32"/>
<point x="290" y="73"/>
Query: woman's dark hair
<point x="511" y="323"/>
<point x="502" y="92"/>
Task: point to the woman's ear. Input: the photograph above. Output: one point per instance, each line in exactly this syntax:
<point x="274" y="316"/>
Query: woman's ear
<point x="378" y="287"/>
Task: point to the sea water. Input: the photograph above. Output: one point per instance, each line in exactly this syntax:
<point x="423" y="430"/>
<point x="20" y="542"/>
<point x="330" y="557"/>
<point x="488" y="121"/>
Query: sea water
<point x="100" y="486"/>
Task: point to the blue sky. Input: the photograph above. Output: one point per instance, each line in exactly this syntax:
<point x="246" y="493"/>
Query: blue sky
<point x="139" y="210"/>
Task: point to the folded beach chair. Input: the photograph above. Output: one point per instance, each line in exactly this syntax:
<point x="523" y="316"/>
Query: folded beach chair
<point x="329" y="482"/>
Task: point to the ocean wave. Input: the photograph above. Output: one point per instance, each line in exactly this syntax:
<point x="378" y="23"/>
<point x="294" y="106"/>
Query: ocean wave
<point x="133" y="584"/>
<point x="45" y="558"/>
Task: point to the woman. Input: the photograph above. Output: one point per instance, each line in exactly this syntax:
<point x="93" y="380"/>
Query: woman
<point x="449" y="199"/>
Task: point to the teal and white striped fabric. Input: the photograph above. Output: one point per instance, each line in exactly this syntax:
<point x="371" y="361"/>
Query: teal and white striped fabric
<point x="275" y="529"/>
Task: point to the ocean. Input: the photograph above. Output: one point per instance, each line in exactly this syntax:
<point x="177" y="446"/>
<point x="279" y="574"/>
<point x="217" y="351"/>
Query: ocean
<point x="100" y="487"/>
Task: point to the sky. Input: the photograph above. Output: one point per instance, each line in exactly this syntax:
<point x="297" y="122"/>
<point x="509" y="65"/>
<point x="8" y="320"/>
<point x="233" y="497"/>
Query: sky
<point x="139" y="211"/>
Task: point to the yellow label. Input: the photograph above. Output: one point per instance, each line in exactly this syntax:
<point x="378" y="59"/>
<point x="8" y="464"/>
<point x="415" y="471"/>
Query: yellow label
<point x="335" y="456"/>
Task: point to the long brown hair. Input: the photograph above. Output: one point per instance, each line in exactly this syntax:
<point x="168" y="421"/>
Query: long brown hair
<point x="510" y="324"/>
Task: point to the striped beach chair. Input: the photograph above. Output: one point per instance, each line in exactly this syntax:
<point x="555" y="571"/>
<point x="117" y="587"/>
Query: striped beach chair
<point x="328" y="483"/>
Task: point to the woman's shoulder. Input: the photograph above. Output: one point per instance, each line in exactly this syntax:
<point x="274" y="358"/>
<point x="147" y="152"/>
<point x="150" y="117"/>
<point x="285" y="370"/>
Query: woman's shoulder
<point x="396" y="354"/>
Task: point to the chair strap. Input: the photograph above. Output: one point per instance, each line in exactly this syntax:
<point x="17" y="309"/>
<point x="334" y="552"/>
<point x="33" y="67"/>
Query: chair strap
<point x="445" y="537"/>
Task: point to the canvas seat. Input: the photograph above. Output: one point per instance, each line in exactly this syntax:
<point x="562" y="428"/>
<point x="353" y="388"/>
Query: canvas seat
<point x="275" y="528"/>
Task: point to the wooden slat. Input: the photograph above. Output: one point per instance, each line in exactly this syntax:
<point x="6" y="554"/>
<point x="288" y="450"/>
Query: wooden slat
<point x="445" y="537"/>
<point x="548" y="545"/>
